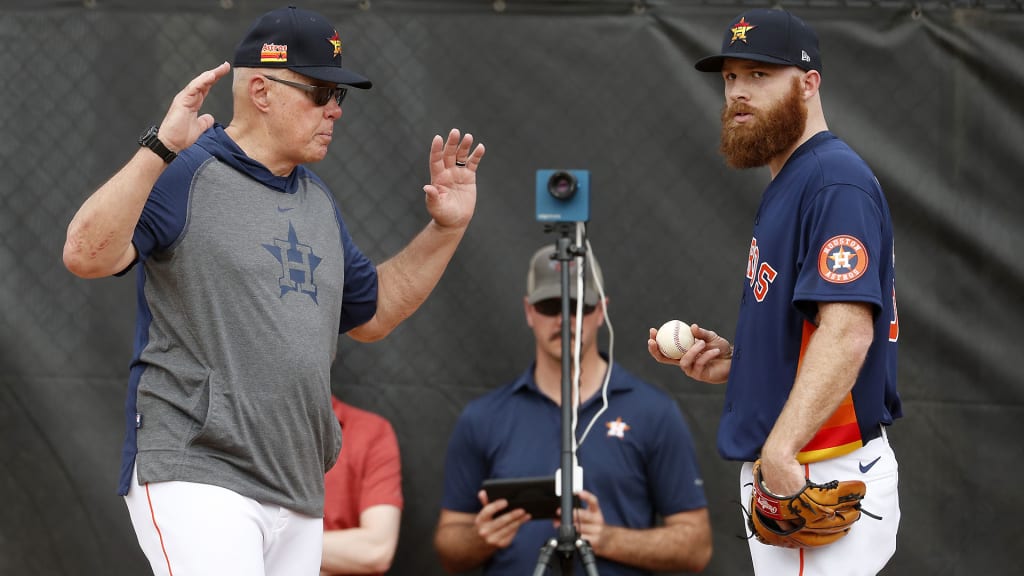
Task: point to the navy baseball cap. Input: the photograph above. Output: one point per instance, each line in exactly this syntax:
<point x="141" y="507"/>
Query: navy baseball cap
<point x="299" y="40"/>
<point x="766" y="35"/>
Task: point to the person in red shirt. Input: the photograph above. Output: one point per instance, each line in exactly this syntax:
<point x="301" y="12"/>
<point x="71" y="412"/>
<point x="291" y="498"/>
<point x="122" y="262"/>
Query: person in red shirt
<point x="363" y="496"/>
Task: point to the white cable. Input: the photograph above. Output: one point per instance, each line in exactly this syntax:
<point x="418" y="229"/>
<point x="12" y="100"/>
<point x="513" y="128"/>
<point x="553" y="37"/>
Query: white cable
<point x="578" y="259"/>
<point x="611" y="353"/>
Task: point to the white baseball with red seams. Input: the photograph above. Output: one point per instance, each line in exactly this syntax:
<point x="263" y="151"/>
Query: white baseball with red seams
<point x="674" y="338"/>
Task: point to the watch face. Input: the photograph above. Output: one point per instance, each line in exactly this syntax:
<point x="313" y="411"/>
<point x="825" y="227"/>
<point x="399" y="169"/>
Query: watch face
<point x="148" y="136"/>
<point x="151" y="140"/>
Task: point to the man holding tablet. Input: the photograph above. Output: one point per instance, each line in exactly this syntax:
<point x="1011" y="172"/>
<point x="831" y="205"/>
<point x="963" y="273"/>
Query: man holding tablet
<point x="642" y="505"/>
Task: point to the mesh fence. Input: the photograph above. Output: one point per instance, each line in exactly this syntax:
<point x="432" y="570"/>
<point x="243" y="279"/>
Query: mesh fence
<point x="927" y="92"/>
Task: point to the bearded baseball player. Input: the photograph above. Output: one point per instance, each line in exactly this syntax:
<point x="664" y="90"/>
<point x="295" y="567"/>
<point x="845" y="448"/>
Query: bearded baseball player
<point x="811" y="378"/>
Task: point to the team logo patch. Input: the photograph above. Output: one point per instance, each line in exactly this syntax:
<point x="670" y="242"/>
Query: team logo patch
<point x="617" y="428"/>
<point x="740" y="29"/>
<point x="336" y="42"/>
<point x="274" y="53"/>
<point x="842" y="259"/>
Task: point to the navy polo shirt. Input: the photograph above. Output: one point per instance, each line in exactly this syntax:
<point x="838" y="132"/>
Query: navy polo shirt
<point x="638" y="459"/>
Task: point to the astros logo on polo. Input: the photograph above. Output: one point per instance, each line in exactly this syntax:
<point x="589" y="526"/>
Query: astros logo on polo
<point x="842" y="259"/>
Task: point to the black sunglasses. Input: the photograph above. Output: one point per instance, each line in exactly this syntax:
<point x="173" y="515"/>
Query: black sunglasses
<point x="321" y="95"/>
<point x="553" y="307"/>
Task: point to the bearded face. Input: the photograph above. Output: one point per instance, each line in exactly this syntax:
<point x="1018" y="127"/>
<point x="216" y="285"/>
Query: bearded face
<point x="772" y="132"/>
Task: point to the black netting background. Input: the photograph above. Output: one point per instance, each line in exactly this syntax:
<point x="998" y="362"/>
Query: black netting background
<point x="928" y="92"/>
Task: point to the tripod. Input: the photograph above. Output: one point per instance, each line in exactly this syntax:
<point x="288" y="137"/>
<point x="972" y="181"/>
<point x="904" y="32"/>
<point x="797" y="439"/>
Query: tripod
<point x="568" y="542"/>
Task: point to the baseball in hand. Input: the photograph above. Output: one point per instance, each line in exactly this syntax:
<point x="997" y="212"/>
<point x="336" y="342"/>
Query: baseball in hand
<point x="674" y="338"/>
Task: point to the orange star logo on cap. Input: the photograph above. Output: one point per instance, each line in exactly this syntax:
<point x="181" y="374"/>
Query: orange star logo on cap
<point x="336" y="42"/>
<point x="739" y="31"/>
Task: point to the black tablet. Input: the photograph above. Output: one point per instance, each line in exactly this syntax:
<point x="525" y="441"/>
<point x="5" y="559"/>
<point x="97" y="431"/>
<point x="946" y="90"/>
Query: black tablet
<point x="535" y="495"/>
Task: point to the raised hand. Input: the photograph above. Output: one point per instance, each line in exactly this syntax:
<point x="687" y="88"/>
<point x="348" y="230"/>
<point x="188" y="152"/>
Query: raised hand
<point x="182" y="125"/>
<point x="451" y="194"/>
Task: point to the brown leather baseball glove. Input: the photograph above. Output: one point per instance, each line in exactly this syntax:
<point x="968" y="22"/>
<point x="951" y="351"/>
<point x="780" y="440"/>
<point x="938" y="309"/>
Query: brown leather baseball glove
<point x="817" y="515"/>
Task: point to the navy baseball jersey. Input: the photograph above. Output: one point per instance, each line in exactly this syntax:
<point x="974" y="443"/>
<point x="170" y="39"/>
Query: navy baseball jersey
<point x="823" y="233"/>
<point x="244" y="283"/>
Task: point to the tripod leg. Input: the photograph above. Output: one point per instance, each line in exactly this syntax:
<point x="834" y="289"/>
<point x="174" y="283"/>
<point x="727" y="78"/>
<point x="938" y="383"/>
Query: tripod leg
<point x="587" y="557"/>
<point x="544" y="558"/>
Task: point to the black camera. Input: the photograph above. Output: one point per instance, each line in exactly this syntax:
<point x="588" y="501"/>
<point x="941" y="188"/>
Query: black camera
<point x="563" y="195"/>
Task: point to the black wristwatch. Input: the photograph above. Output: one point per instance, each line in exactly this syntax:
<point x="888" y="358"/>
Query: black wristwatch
<point x="149" y="139"/>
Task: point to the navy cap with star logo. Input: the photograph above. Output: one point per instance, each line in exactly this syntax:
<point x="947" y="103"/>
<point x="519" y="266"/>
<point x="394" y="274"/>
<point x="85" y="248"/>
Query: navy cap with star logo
<point x="767" y="35"/>
<point x="299" y="40"/>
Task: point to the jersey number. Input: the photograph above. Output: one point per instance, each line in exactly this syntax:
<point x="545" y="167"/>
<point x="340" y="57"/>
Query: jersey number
<point x="760" y="274"/>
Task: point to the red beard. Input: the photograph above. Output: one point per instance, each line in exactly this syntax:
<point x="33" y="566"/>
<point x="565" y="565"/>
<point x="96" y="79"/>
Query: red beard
<point x="772" y="132"/>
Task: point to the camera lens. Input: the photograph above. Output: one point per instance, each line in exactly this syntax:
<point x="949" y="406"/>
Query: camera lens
<point x="562" y="185"/>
